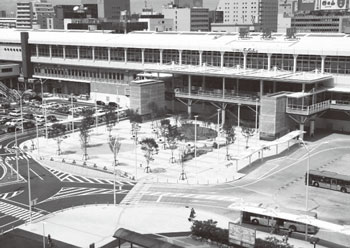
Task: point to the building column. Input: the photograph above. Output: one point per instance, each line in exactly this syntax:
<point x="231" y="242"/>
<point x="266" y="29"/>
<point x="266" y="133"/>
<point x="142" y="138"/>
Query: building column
<point x="189" y="107"/>
<point x="200" y="58"/>
<point x="301" y="128"/>
<point x="223" y="114"/>
<point x="239" y="115"/>
<point x="125" y="55"/>
<point x="237" y="85"/>
<point x="189" y="84"/>
<point x="245" y="60"/>
<point x="78" y="53"/>
<point x="161" y="56"/>
<point x="37" y="50"/>
<point x="322" y="63"/>
<point x="223" y="87"/>
<point x="261" y="88"/>
<point x="303" y="87"/>
<point x="93" y="54"/>
<point x="312" y="128"/>
<point x="295" y="56"/>
<point x="143" y="56"/>
<point x="269" y="61"/>
<point x="64" y="52"/>
<point x="50" y="51"/>
<point x="173" y="86"/>
<point x="180" y="57"/>
<point x="222" y="59"/>
<point x="109" y="55"/>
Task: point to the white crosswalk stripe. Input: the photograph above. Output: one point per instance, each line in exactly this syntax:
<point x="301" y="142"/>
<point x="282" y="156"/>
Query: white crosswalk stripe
<point x="81" y="191"/>
<point x="67" y="177"/>
<point x="18" y="212"/>
<point x="19" y="157"/>
<point x="9" y="195"/>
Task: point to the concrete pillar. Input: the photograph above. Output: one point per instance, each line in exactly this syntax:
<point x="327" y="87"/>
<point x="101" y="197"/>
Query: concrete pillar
<point x="312" y="128"/>
<point x="237" y="85"/>
<point x="93" y="54"/>
<point x="223" y="115"/>
<point x="322" y="63"/>
<point x="109" y="55"/>
<point x="200" y="58"/>
<point x="301" y="128"/>
<point x="161" y="56"/>
<point x="64" y="52"/>
<point x="143" y="56"/>
<point x="261" y="88"/>
<point x="50" y="51"/>
<point x="303" y="87"/>
<point x="239" y="115"/>
<point x="222" y="59"/>
<point x="37" y="50"/>
<point x="78" y="53"/>
<point x="223" y="87"/>
<point x="125" y="55"/>
<point x="295" y="56"/>
<point x="189" y="108"/>
<point x="189" y="84"/>
<point x="269" y="61"/>
<point x="180" y="57"/>
<point x="245" y="60"/>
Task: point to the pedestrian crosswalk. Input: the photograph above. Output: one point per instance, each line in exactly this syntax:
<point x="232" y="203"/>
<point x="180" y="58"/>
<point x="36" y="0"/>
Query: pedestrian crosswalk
<point x="66" y="192"/>
<point x="19" y="157"/>
<point x="67" y="177"/>
<point x="18" y="212"/>
<point x="9" y="195"/>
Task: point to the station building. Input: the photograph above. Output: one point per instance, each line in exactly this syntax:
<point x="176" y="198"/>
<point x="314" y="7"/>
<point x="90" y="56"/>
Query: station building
<point x="275" y="84"/>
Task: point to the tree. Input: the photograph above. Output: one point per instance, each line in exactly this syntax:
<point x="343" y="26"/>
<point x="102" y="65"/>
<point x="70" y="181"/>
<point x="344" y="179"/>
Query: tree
<point x="84" y="128"/>
<point x="111" y="119"/>
<point x="229" y="135"/>
<point x="247" y="132"/>
<point x="58" y="131"/>
<point x="133" y="116"/>
<point x="150" y="147"/>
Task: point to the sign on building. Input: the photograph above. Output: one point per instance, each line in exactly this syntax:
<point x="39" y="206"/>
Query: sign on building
<point x="331" y="5"/>
<point x="240" y="235"/>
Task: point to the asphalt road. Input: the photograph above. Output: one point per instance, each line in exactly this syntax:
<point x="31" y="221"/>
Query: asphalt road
<point x="51" y="190"/>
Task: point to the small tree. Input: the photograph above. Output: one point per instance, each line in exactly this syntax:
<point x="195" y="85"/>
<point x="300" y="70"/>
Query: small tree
<point x="111" y="119"/>
<point x="229" y="135"/>
<point x="150" y="147"/>
<point x="58" y="132"/>
<point x="247" y="132"/>
<point x="84" y="128"/>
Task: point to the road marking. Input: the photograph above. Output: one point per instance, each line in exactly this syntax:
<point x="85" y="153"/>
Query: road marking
<point x="159" y="198"/>
<point x="18" y="212"/>
<point x="37" y="174"/>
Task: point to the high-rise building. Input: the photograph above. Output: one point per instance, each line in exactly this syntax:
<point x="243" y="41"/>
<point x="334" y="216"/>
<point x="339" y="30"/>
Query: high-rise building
<point x="42" y="10"/>
<point x="188" y="19"/>
<point x="113" y="9"/>
<point x="2" y="13"/>
<point x="24" y="15"/>
<point x="268" y="13"/>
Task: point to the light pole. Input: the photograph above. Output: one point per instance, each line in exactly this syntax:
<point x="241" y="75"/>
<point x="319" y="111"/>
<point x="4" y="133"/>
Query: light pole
<point x="217" y="141"/>
<point x="114" y="146"/>
<point x="307" y="182"/>
<point x="135" y="129"/>
<point x="43" y="234"/>
<point x="43" y="103"/>
<point x="96" y="120"/>
<point x="195" y="139"/>
<point x="72" y="113"/>
<point x="16" y="153"/>
<point x="37" y="136"/>
<point x="20" y="95"/>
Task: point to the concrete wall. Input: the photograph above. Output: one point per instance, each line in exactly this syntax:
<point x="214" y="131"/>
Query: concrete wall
<point x="333" y="125"/>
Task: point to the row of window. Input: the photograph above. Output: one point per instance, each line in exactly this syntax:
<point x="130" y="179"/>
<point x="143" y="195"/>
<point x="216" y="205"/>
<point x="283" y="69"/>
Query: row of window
<point x="7" y="49"/>
<point x="333" y="64"/>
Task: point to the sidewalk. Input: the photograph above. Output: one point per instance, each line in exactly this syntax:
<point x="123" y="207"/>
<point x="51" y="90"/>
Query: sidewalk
<point x="97" y="224"/>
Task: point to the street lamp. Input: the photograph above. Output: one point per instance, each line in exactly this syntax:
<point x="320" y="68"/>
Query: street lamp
<point x="307" y="182"/>
<point x="72" y="112"/>
<point x="195" y="139"/>
<point x="135" y="129"/>
<point x="217" y="140"/>
<point x="20" y="95"/>
<point x="114" y="145"/>
<point x="43" y="103"/>
<point x="43" y="234"/>
<point x="16" y="153"/>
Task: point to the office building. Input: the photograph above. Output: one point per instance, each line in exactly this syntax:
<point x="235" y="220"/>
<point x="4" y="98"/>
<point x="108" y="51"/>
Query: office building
<point x="188" y="19"/>
<point x="24" y="15"/>
<point x="112" y="9"/>
<point x="42" y="11"/>
<point x="188" y="3"/>
<point x="316" y="23"/>
<point x="7" y="22"/>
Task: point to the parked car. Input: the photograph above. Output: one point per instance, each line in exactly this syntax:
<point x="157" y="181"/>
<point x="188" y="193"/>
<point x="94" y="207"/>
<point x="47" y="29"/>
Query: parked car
<point x="29" y="116"/>
<point x="84" y="97"/>
<point x="13" y="122"/>
<point x="51" y="118"/>
<point x="113" y="104"/>
<point x="28" y="124"/>
<point x="4" y="119"/>
<point x="15" y="113"/>
<point x="72" y="98"/>
<point x="101" y="103"/>
<point x="11" y="129"/>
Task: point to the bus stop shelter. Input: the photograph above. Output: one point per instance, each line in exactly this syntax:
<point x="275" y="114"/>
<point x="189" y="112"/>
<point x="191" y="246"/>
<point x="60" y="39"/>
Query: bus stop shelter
<point x="125" y="236"/>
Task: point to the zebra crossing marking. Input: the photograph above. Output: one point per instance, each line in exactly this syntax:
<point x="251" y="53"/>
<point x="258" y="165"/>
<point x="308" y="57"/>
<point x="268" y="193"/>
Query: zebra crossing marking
<point x="67" y="177"/>
<point x="18" y="212"/>
<point x="19" y="157"/>
<point x="9" y="195"/>
<point x="66" y="192"/>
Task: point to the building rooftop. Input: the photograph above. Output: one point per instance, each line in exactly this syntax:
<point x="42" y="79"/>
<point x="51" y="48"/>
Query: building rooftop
<point x="320" y="44"/>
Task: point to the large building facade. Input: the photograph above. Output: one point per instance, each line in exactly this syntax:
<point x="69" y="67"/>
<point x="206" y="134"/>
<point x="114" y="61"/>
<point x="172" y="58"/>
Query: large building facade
<point x="275" y="85"/>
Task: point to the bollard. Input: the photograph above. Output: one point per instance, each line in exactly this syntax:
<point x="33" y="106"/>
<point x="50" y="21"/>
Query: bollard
<point x="95" y="166"/>
<point x="73" y="162"/>
<point x="63" y="160"/>
<point x="51" y="159"/>
<point x="84" y="163"/>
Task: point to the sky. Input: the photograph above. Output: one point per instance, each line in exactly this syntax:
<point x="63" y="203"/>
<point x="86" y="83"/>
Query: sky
<point x="136" y="5"/>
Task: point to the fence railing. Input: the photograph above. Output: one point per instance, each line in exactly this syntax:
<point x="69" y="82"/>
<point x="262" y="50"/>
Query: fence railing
<point x="308" y="109"/>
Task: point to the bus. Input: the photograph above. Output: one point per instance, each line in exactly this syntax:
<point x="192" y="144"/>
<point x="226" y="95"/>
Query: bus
<point x="328" y="180"/>
<point x="290" y="220"/>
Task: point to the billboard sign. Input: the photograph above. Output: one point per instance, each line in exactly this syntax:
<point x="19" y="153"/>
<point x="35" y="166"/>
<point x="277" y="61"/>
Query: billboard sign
<point x="240" y="235"/>
<point x="331" y="4"/>
<point x="306" y="5"/>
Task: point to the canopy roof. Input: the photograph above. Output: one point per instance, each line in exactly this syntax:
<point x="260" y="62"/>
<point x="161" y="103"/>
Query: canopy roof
<point x="311" y="43"/>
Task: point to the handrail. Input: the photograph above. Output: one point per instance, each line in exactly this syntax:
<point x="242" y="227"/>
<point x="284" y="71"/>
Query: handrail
<point x="308" y="109"/>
